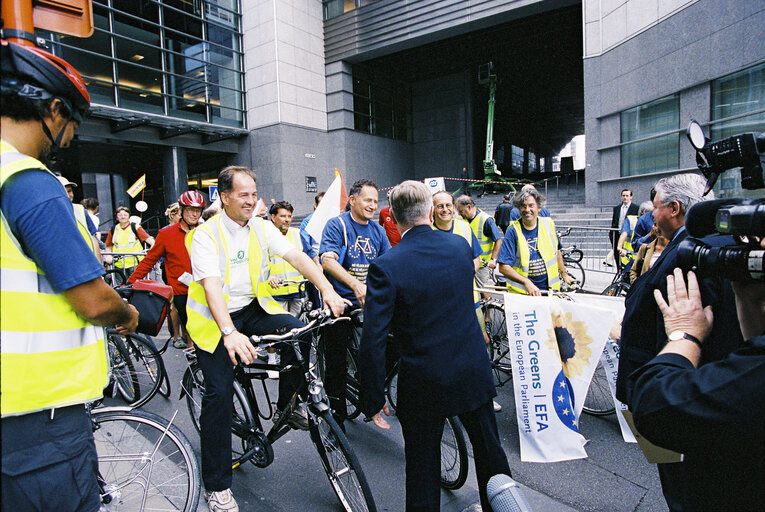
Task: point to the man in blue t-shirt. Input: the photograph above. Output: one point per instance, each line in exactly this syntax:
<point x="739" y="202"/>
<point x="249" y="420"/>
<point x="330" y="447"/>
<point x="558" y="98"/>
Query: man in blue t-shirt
<point x="349" y="244"/>
<point x="536" y="279"/>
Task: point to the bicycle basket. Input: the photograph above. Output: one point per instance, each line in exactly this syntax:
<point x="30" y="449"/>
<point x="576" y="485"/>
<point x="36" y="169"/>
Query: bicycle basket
<point x="152" y="300"/>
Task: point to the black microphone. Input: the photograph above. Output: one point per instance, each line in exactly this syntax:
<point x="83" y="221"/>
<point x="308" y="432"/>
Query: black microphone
<point x="505" y="495"/>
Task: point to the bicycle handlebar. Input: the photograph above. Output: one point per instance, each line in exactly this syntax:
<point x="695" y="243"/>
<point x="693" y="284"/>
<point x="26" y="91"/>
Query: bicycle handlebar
<point x="319" y="318"/>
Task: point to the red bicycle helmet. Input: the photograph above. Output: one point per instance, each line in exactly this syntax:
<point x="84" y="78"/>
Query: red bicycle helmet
<point x="36" y="73"/>
<point x="192" y="198"/>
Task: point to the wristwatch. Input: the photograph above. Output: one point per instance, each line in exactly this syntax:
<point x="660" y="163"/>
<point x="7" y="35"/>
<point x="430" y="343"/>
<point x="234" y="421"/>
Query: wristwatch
<point x="679" y="335"/>
<point x="227" y="330"/>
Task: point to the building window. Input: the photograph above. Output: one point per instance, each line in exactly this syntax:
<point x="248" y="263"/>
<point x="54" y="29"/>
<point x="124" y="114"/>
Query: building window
<point x="333" y="8"/>
<point x="738" y="103"/>
<point x="381" y="106"/>
<point x="169" y="57"/>
<point x="649" y="136"/>
<point x="516" y="161"/>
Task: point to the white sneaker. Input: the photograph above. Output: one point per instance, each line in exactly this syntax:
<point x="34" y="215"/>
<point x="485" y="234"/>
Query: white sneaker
<point x="497" y="407"/>
<point x="221" y="501"/>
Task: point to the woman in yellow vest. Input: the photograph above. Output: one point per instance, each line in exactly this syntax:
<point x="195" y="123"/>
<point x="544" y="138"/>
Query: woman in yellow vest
<point x="127" y="237"/>
<point x="530" y="255"/>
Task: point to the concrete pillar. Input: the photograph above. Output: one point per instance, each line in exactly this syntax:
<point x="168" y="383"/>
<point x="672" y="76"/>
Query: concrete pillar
<point x="174" y="173"/>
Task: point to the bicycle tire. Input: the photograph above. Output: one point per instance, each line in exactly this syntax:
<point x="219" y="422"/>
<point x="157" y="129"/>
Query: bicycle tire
<point x="340" y="463"/>
<point x="139" y="458"/>
<point x="164" y="388"/>
<point x="574" y="255"/>
<point x="193" y="385"/>
<point x="391" y="388"/>
<point x="454" y="456"/>
<point x="123" y="371"/>
<point x="114" y="277"/>
<point x="576" y="271"/>
<point x="499" y="345"/>
<point x="147" y="364"/>
<point x="599" y="401"/>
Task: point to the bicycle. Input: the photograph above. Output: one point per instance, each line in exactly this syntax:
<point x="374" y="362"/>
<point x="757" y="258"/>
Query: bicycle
<point x="115" y="276"/>
<point x="620" y="284"/>
<point x="454" y="457"/>
<point x="144" y="461"/>
<point x="335" y="452"/>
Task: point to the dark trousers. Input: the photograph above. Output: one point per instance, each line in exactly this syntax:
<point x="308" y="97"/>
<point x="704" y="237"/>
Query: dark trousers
<point x="336" y="339"/>
<point x="50" y="464"/>
<point x="217" y="402"/>
<point x="422" y="450"/>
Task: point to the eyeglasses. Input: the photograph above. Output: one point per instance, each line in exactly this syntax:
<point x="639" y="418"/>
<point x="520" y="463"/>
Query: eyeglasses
<point x="444" y="206"/>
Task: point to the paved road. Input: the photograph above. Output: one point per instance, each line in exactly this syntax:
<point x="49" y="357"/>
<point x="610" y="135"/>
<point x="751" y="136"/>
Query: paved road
<point x="614" y="478"/>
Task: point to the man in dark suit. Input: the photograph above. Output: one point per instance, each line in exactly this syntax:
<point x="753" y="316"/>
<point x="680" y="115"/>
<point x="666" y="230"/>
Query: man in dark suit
<point x="627" y="207"/>
<point x="643" y="334"/>
<point x="445" y="370"/>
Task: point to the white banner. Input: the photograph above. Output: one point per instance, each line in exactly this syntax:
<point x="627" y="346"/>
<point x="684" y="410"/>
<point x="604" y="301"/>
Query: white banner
<point x="548" y="425"/>
<point x="610" y="356"/>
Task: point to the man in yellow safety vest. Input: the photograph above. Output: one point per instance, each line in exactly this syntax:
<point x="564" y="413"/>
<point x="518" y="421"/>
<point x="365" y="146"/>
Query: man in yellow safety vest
<point x="52" y="355"/>
<point x="530" y="255"/>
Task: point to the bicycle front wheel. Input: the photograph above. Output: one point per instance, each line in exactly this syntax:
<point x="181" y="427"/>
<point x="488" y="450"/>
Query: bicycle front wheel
<point x="454" y="457"/>
<point x="599" y="401"/>
<point x="352" y="388"/>
<point x="340" y="463"/>
<point x="499" y="346"/>
<point x="144" y="463"/>
<point x="148" y="368"/>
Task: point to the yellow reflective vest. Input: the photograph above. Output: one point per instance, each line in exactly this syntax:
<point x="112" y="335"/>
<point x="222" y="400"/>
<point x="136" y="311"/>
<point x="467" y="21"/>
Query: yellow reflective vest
<point x="49" y="355"/>
<point x="627" y="245"/>
<point x="82" y="225"/>
<point x="278" y="267"/>
<point x="477" y="224"/>
<point x="125" y="240"/>
<point x="200" y="324"/>
<point x="547" y="244"/>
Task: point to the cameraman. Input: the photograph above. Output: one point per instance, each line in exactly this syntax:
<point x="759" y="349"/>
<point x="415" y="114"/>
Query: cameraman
<point x="715" y="414"/>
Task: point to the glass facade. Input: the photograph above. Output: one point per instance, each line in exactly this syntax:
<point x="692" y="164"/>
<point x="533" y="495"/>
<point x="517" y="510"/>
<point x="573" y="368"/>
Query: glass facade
<point x="738" y="103"/>
<point x="177" y="58"/>
<point x="380" y="106"/>
<point x="334" y="8"/>
<point x="646" y="145"/>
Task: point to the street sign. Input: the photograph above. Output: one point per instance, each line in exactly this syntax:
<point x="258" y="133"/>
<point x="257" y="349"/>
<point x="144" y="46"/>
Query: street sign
<point x="213" y="193"/>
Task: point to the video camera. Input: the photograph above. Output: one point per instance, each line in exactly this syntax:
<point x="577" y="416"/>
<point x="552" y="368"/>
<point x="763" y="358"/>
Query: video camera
<point x="743" y="218"/>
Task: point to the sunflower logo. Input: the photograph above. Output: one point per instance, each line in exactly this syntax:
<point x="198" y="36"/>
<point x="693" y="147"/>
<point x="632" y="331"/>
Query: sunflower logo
<point x="572" y="341"/>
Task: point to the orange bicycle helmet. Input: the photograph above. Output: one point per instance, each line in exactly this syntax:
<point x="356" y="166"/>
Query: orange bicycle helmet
<point x="35" y="73"/>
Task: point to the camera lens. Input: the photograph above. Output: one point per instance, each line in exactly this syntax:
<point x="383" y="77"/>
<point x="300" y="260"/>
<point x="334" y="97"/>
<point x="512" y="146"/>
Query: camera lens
<point x="737" y="263"/>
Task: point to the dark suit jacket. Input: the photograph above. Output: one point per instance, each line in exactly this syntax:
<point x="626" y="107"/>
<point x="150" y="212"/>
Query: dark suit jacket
<point x="422" y="290"/>
<point x="632" y="209"/>
<point x="643" y="334"/>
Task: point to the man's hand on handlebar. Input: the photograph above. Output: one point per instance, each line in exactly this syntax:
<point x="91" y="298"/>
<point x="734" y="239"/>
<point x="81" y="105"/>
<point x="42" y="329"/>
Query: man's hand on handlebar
<point x="131" y="325"/>
<point x="237" y="344"/>
<point x="274" y="282"/>
<point x="334" y="302"/>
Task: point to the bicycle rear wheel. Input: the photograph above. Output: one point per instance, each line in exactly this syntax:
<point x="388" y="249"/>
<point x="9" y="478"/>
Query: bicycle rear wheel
<point x="340" y="463"/>
<point x="144" y="463"/>
<point x="194" y="388"/>
<point x="499" y="347"/>
<point x="454" y="457"/>
<point x="123" y="371"/>
<point x="599" y="401"/>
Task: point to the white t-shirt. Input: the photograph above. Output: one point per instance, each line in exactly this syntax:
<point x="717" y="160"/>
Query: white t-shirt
<point x="204" y="258"/>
